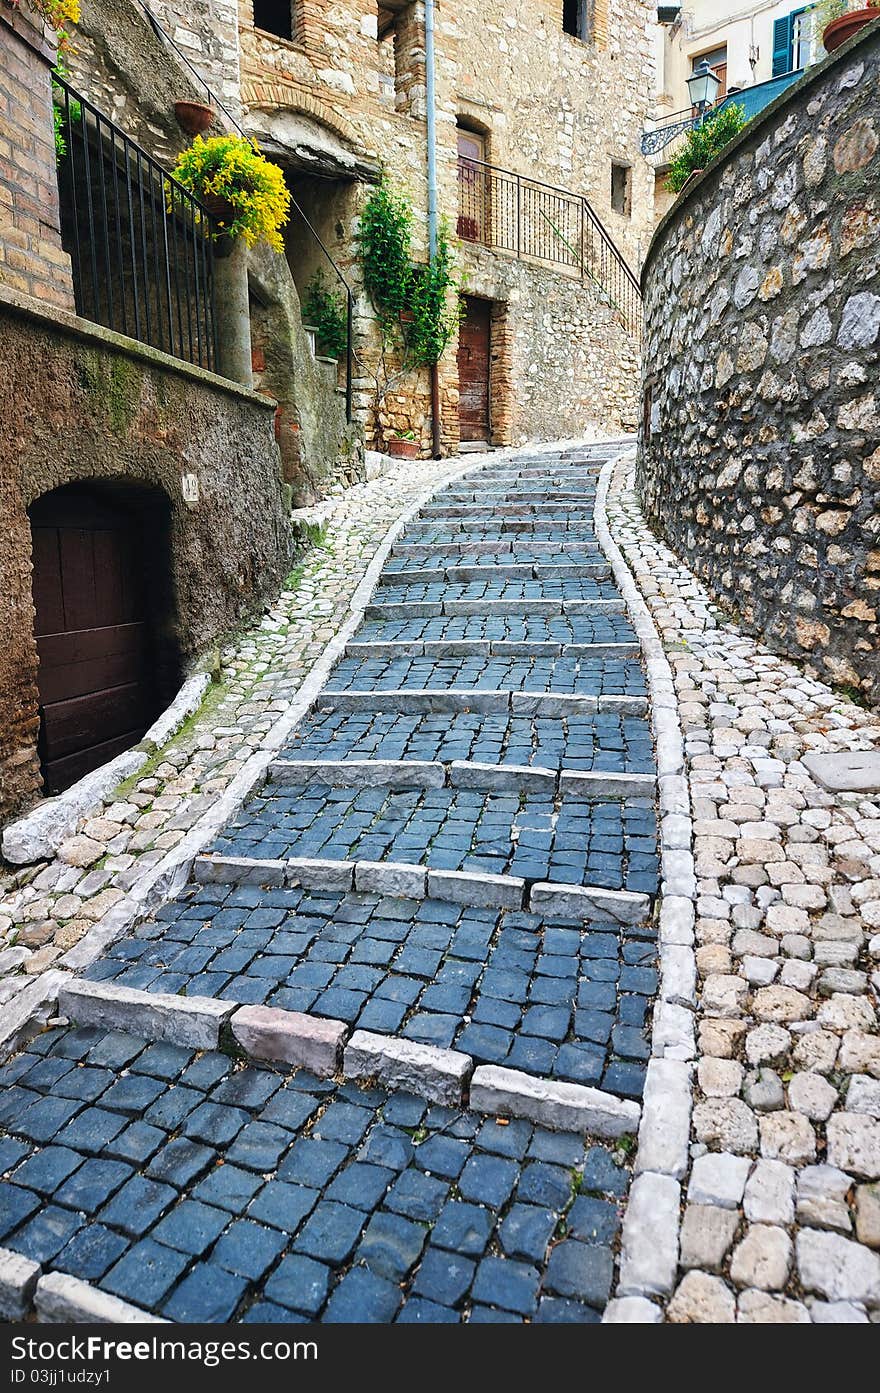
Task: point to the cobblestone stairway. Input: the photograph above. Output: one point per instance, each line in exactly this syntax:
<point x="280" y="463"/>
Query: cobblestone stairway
<point x="376" y="1060"/>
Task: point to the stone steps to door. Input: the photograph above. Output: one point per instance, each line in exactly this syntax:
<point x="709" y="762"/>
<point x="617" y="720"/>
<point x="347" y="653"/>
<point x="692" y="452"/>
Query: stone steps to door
<point x="550" y="574"/>
<point x="601" y="670"/>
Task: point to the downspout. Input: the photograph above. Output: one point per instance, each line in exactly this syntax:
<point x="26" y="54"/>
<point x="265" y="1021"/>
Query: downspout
<point x="431" y="102"/>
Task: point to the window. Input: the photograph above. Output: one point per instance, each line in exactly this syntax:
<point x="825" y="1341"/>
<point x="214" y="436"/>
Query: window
<point x="576" y="16"/>
<point x="717" y="60"/>
<point x="274" y="17"/>
<point x="621" y="189"/>
<point x="791" y="42"/>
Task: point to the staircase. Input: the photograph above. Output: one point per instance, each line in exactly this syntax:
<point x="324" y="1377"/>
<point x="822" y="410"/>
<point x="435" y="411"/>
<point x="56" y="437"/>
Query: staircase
<point x="538" y="222"/>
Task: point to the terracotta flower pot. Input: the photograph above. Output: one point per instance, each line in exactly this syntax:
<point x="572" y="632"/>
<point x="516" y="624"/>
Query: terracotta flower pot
<point x="219" y="208"/>
<point x="835" y="34"/>
<point x="403" y="449"/>
<point x="193" y="117"/>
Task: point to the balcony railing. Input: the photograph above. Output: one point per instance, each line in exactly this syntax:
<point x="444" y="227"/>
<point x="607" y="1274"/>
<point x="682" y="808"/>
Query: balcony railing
<point x="141" y="246"/>
<point x="539" y="222"/>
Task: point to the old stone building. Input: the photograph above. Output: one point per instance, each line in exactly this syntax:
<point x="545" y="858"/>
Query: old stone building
<point x="539" y="107"/>
<point x="141" y="502"/>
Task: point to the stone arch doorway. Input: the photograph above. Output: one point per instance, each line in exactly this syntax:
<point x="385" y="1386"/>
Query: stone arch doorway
<point x="102" y="594"/>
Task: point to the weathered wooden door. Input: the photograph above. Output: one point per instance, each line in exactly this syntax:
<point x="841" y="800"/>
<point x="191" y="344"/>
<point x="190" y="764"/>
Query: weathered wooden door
<point x="97" y="694"/>
<point x="474" y="341"/>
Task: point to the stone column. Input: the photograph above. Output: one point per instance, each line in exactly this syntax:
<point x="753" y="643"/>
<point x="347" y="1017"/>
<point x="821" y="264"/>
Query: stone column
<point x="232" y="309"/>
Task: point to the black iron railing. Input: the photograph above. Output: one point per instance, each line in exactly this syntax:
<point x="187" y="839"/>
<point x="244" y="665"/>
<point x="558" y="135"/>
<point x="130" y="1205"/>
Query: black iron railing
<point x="141" y="246"/>
<point x="536" y="221"/>
<point x="215" y="100"/>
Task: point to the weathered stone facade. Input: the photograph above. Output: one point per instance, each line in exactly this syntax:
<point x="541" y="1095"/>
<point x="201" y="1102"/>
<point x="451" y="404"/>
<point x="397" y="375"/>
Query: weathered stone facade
<point x="760" y="449"/>
<point x="110" y="411"/>
<point x="347" y="92"/>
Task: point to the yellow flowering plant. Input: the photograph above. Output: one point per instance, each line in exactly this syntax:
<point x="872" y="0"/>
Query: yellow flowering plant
<point x="57" y="14"/>
<point x="239" y="186"/>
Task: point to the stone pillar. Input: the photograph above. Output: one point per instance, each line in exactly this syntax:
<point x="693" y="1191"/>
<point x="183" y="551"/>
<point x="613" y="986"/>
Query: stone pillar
<point x="31" y="257"/>
<point x="232" y="309"/>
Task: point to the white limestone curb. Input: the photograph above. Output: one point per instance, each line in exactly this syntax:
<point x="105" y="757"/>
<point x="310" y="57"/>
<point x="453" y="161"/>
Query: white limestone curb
<point x="61" y="1299"/>
<point x="652" y="1222"/>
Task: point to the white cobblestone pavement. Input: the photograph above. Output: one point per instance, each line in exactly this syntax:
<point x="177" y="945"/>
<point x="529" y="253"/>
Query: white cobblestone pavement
<point x="766" y="1043"/>
<point x="771" y="1211"/>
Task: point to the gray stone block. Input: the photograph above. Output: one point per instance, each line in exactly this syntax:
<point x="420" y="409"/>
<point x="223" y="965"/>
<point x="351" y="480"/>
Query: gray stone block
<point x="594" y="607"/>
<point x="666" y="1119"/>
<point x="649" y="1247"/>
<point x="406" y="609"/>
<point x="564" y="1107"/>
<point x="385" y="648"/>
<point x="842" y="773"/>
<point x="182" y="1020"/>
<point x="586" y="901"/>
<point x="391" y="878"/>
<point x="62" y="1300"/>
<point x="607" y="787"/>
<point x="552" y="704"/>
<point x="367" y="773"/>
<point x="598" y="650"/>
<point x="501" y="777"/>
<point x="424" y="699"/>
<point x="290" y="1037"/>
<point x="471" y="888"/>
<point x="502" y="607"/>
<point x="316" y="873"/>
<point x="438" y="1075"/>
<point x="18" y="1279"/>
<point x="237" y="870"/>
<point x="456" y="647"/>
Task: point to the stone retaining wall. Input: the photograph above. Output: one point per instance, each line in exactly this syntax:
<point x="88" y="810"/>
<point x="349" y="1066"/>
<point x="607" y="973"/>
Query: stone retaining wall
<point x="760" y="453"/>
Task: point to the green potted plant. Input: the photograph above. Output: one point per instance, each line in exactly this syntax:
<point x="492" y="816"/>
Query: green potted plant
<point x="240" y="188"/>
<point x="403" y="444"/>
<point x="839" y="20"/>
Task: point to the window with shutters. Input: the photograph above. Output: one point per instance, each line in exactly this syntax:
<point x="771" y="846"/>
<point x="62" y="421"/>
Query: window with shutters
<point x="792" y="37"/>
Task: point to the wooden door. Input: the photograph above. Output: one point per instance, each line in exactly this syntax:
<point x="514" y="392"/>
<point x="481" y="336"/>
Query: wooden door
<point x="472" y="187"/>
<point x="96" y="688"/>
<point x="474" y="341"/>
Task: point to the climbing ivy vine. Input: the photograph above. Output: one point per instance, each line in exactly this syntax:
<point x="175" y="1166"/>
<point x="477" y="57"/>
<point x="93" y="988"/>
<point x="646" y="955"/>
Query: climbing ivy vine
<point x="417" y="305"/>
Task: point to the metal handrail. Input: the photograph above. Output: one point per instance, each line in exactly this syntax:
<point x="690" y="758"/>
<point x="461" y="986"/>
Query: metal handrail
<point x="163" y="34"/>
<point x="141" y="245"/>
<point x="513" y="212"/>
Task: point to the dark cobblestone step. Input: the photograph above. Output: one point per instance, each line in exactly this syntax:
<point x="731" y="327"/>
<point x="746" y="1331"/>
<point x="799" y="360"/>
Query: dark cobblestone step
<point x="488" y="551"/>
<point x="392" y="623"/>
<point x="538" y="838"/>
<point x="604" y="675"/>
<point x="553" y="997"/>
<point x="606" y="742"/>
<point x="487" y="585"/>
<point x="313" y="1200"/>
<point x="550" y="576"/>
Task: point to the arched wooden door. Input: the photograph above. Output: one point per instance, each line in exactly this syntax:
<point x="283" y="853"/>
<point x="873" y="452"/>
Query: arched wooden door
<point x="96" y="674"/>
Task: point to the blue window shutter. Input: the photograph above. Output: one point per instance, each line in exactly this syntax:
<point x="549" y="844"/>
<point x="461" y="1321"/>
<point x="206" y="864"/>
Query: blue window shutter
<point x="782" y="33"/>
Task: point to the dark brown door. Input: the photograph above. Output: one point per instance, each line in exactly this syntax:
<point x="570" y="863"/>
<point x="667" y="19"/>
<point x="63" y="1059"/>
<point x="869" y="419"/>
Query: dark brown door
<point x="474" y="337"/>
<point x="96" y="685"/>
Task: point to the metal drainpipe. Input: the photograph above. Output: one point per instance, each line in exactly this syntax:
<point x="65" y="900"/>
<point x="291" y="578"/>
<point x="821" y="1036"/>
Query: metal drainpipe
<point x="431" y="101"/>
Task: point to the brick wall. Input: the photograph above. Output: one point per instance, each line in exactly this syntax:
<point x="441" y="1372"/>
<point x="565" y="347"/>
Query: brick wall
<point x="31" y="258"/>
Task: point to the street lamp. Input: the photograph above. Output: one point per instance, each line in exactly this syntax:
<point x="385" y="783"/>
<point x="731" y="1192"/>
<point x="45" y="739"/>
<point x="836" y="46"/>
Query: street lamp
<point x="703" y="87"/>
